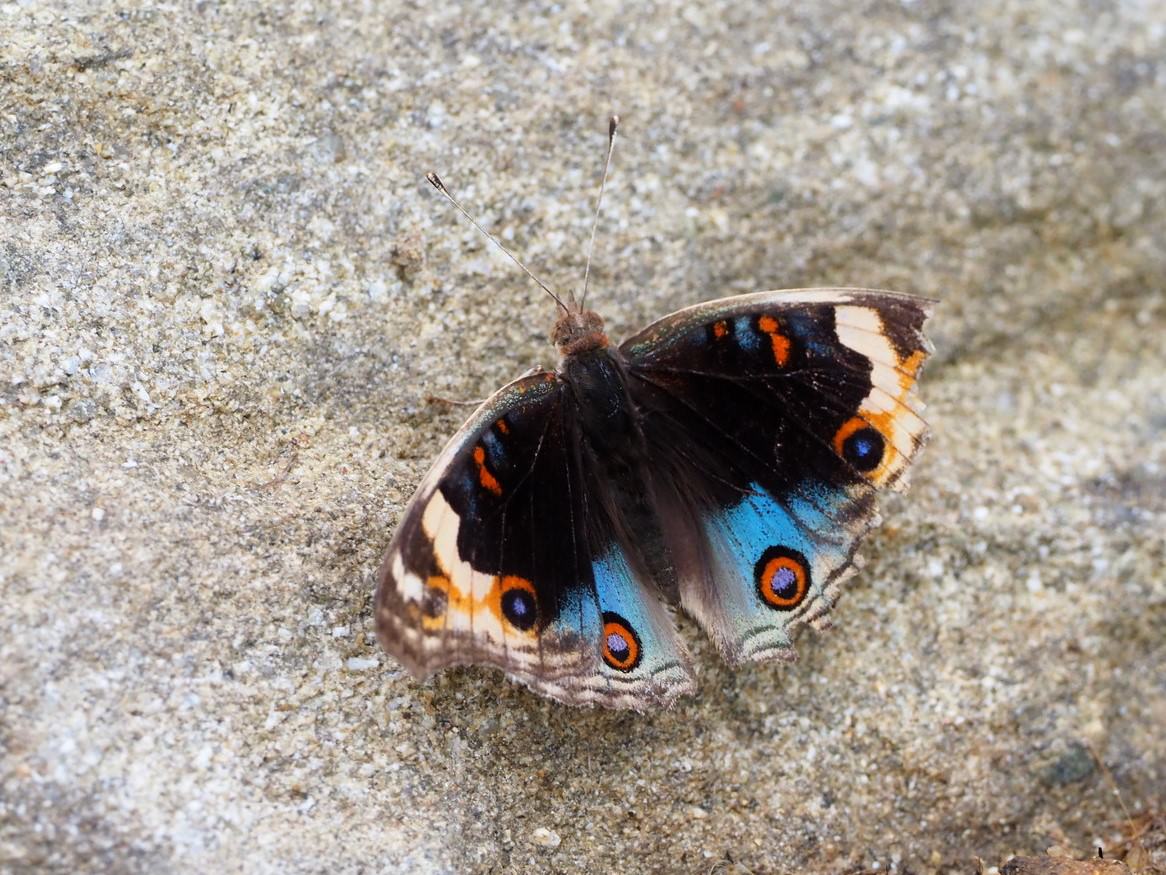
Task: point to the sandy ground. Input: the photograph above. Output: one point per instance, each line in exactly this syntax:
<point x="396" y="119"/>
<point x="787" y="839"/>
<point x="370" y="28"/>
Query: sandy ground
<point x="226" y="291"/>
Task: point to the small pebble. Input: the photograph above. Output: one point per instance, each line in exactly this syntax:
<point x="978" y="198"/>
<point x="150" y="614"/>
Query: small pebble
<point x="545" y="838"/>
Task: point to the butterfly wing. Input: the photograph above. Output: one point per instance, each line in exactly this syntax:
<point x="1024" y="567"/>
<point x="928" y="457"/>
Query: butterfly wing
<point x="507" y="555"/>
<point x="773" y="420"/>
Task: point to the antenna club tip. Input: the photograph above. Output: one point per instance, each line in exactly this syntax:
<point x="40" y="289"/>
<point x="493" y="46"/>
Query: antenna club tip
<point x="612" y="124"/>
<point x="434" y="180"/>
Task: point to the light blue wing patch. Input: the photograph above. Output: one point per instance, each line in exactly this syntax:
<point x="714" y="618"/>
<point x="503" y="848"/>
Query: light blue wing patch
<point x="636" y="639"/>
<point x="747" y="337"/>
<point x="774" y="564"/>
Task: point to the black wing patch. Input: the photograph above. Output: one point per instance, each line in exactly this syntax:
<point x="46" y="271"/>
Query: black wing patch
<point x="508" y="556"/>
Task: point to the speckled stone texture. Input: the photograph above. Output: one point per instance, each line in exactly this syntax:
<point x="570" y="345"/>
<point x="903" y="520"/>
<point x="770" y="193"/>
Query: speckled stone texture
<point x="226" y="291"/>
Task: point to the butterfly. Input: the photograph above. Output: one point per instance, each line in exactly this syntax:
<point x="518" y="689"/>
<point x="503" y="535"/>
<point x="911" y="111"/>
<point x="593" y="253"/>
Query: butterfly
<point x="725" y="460"/>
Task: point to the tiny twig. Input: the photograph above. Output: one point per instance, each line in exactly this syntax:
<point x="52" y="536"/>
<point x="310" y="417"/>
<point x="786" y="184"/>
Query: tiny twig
<point x="278" y="480"/>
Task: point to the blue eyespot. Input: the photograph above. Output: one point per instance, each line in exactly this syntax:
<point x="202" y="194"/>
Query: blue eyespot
<point x="617" y="646"/>
<point x="864" y="449"/>
<point x="784" y="583"/>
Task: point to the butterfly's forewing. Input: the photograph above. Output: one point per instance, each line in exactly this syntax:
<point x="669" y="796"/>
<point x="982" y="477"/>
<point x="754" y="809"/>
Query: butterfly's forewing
<point x="773" y="419"/>
<point x="506" y="556"/>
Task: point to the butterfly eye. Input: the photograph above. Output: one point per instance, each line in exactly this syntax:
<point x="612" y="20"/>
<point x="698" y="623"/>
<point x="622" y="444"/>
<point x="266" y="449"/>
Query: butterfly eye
<point x="783" y="578"/>
<point x="621" y="645"/>
<point x="860" y="444"/>
<point x="518" y="603"/>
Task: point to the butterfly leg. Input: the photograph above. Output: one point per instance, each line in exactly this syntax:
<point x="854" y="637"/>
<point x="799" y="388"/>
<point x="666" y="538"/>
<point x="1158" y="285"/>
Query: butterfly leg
<point x="454" y="402"/>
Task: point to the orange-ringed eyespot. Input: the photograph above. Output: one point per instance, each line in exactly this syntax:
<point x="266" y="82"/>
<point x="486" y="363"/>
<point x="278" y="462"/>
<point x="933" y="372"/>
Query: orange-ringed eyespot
<point x="783" y="578"/>
<point x="436" y="600"/>
<point x="621" y="645"/>
<point x="519" y="605"/>
<point x="860" y="444"/>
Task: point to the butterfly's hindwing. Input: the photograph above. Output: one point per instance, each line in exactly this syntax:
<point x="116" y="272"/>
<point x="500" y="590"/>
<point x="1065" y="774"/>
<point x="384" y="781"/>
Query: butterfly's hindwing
<point x="506" y="556"/>
<point x="772" y="420"/>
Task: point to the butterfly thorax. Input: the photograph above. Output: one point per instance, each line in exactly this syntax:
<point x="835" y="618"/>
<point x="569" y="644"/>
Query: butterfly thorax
<point x="577" y="332"/>
<point x="605" y="411"/>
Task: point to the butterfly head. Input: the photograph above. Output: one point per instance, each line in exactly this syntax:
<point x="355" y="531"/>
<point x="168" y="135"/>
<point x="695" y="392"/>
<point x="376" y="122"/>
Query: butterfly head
<point x="578" y="331"/>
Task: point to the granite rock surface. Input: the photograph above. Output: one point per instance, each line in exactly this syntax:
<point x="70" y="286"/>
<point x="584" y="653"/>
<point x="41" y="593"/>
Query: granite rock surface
<point x="225" y="291"/>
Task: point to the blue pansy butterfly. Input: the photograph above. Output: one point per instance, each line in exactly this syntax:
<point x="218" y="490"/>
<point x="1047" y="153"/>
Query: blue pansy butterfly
<point x="725" y="459"/>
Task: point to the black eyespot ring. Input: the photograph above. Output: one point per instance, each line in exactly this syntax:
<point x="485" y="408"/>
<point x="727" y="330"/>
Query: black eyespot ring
<point x="860" y="444"/>
<point x="518" y="603"/>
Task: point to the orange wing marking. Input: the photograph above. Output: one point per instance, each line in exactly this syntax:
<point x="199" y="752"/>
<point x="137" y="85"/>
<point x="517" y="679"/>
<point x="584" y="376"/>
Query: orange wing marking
<point x="488" y="480"/>
<point x="779" y="341"/>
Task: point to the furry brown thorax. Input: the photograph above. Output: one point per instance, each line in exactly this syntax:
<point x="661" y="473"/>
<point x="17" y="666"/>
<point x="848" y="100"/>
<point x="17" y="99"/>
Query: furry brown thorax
<point x="578" y="331"/>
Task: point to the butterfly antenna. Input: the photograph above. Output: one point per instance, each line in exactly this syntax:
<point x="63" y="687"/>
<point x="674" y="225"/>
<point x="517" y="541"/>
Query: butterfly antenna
<point x="436" y="182"/>
<point x="612" y="125"/>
